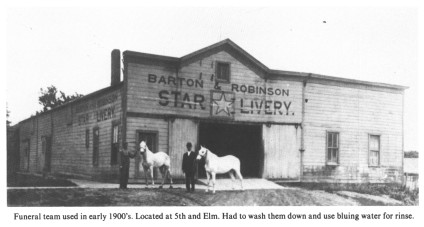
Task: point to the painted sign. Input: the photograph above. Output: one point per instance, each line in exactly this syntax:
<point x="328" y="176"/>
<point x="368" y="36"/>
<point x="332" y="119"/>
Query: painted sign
<point x="101" y="109"/>
<point x="243" y="99"/>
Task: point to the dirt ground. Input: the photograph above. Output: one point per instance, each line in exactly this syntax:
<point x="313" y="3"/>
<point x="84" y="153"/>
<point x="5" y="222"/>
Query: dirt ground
<point x="178" y="197"/>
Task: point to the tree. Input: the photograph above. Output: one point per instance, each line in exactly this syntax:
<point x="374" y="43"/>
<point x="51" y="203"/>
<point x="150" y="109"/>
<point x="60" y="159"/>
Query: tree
<point x="50" y="98"/>
<point x="7" y="116"/>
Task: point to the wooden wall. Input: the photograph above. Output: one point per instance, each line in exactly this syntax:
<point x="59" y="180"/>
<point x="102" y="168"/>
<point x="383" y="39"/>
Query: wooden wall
<point x="353" y="110"/>
<point x="354" y="113"/>
<point x="67" y="126"/>
<point x="142" y="93"/>
<point x="44" y="130"/>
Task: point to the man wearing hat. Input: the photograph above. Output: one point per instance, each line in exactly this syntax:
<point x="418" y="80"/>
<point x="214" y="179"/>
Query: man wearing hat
<point x="189" y="167"/>
<point x="124" y="166"/>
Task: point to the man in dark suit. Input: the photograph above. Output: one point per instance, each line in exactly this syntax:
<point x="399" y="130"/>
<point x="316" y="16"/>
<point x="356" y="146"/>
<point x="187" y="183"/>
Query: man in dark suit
<point x="189" y="167"/>
<point x="124" y="167"/>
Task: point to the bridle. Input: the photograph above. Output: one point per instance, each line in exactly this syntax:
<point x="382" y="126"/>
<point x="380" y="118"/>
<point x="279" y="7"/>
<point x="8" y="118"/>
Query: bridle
<point x="206" y="154"/>
<point x="144" y="149"/>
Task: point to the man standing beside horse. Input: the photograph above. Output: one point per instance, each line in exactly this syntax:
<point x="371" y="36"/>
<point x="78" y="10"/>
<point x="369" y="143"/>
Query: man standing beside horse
<point x="189" y="167"/>
<point x="124" y="166"/>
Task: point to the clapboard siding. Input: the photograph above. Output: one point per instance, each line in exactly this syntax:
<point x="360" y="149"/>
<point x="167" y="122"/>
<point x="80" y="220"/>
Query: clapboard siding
<point x="355" y="113"/>
<point x="67" y="127"/>
<point x="142" y="94"/>
<point x="27" y="137"/>
<point x="44" y="130"/>
<point x="70" y="153"/>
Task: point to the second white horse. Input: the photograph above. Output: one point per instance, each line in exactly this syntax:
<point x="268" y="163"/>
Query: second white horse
<point x="219" y="165"/>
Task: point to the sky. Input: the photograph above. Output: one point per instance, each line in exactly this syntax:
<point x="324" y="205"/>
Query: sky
<point x="70" y="47"/>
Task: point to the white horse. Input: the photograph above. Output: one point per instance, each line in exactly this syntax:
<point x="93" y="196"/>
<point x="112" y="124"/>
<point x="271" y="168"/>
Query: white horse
<point x="219" y="165"/>
<point x="151" y="160"/>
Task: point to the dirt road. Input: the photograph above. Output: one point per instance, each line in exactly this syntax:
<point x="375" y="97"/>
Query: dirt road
<point x="178" y="197"/>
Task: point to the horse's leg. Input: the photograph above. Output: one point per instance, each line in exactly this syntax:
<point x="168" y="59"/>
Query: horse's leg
<point x="151" y="175"/>
<point x="170" y="177"/>
<point x="213" y="182"/>
<point x="145" y="175"/>
<point x="241" y="178"/>
<point x="232" y="177"/>
<point x="163" y="171"/>
<point x="207" y="181"/>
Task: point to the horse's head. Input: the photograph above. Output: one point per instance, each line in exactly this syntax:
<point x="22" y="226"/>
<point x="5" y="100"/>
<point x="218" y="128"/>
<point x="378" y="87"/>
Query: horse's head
<point x="143" y="147"/>
<point x="202" y="152"/>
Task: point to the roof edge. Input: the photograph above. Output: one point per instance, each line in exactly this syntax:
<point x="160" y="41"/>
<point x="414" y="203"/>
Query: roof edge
<point x="89" y="95"/>
<point x="268" y="71"/>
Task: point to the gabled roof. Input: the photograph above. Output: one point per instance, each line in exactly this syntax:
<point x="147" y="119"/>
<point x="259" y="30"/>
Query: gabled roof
<point x="247" y="59"/>
<point x="224" y="44"/>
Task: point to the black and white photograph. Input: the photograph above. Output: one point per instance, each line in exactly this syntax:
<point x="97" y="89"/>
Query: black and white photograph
<point x="184" y="107"/>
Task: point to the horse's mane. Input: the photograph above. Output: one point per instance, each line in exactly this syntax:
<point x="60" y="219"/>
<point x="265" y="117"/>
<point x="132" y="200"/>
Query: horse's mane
<point x="211" y="153"/>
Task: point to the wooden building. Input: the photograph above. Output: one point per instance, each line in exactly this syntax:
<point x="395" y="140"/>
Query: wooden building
<point x="281" y="124"/>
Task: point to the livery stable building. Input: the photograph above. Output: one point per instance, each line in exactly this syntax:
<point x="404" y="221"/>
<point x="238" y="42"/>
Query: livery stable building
<point x="282" y="125"/>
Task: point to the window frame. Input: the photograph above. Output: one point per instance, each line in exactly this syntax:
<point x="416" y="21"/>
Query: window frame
<point x="87" y="138"/>
<point x="96" y="155"/>
<point x="369" y="149"/>
<point x="26" y="151"/>
<point x="156" y="133"/>
<point x="221" y="80"/>
<point x="114" y="160"/>
<point x="327" y="156"/>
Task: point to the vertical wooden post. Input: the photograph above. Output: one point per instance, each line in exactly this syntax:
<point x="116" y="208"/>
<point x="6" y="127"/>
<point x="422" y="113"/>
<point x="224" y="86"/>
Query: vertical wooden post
<point x="302" y="127"/>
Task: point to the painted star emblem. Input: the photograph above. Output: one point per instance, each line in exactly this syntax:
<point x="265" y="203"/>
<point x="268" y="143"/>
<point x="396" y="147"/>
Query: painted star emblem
<point x="223" y="105"/>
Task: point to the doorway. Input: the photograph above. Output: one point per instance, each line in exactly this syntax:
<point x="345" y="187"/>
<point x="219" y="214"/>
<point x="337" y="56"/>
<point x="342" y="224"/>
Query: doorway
<point x="242" y="141"/>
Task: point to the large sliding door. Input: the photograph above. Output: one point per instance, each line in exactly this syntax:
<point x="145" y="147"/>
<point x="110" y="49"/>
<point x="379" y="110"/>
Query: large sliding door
<point x="282" y="156"/>
<point x="181" y="131"/>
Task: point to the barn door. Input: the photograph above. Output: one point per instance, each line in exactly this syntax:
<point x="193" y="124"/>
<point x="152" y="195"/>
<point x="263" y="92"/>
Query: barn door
<point x="48" y="158"/>
<point x="181" y="131"/>
<point x="25" y="155"/>
<point x="281" y="152"/>
<point x="46" y="149"/>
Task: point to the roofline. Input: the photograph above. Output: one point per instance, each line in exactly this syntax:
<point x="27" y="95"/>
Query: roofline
<point x="83" y="98"/>
<point x="269" y="72"/>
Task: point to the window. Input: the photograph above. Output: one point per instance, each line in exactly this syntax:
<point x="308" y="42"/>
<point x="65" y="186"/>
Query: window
<point x="374" y="150"/>
<point x="150" y="138"/>
<point x="25" y="156"/>
<point x="223" y="72"/>
<point x="332" y="148"/>
<point x="69" y="116"/>
<point x="87" y="138"/>
<point x="43" y="145"/>
<point x="96" y="146"/>
<point x="46" y="150"/>
<point x="116" y="137"/>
